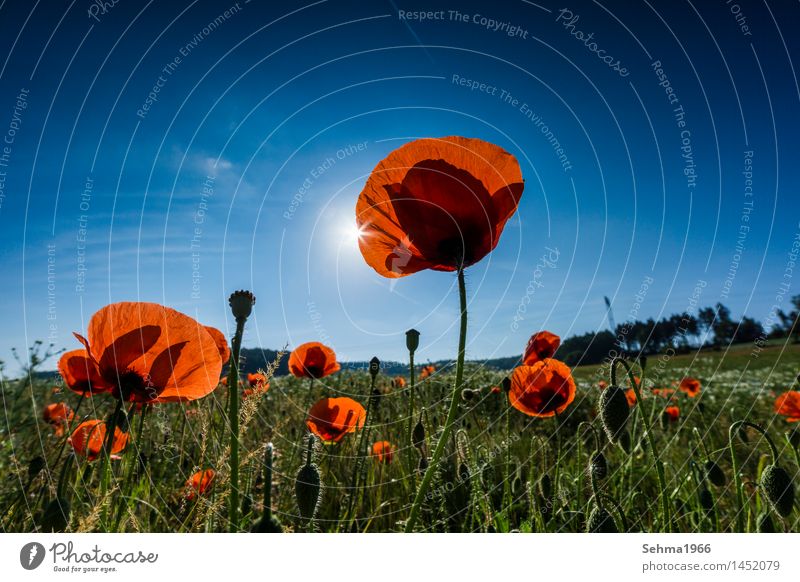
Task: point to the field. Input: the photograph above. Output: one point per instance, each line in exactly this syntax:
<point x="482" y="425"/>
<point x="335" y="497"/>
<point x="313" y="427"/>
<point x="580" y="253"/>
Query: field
<point x="500" y="470"/>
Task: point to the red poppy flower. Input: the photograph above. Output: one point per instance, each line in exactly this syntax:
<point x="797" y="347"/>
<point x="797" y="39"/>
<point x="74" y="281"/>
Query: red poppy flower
<point x="496" y="390"/>
<point x="672" y="413"/>
<point x="427" y="371"/>
<point x="788" y="405"/>
<point x="224" y="380"/>
<point x="399" y="382"/>
<point x="542" y="390"/>
<point x="222" y="343"/>
<point x="58" y="415"/>
<point x="200" y="483"/>
<point x="691" y="386"/>
<point x="313" y="360"/>
<point x="436" y="204"/>
<point x="143" y="352"/>
<point x="89" y="437"/>
<point x="255" y="380"/>
<point x="542" y="345"/>
<point x="663" y="392"/>
<point x="383" y="452"/>
<point x="332" y="418"/>
<point x="258" y="388"/>
<point x="630" y="394"/>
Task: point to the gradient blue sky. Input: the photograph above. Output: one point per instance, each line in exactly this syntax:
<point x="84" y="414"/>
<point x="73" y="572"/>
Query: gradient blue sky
<point x="276" y="89"/>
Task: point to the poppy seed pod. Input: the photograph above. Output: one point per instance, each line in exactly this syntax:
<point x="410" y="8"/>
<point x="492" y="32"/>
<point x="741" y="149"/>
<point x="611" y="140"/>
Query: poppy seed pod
<point x="614" y="412"/>
<point x="600" y="521"/>
<point x="706" y="500"/>
<point x="307" y="489"/>
<point x="779" y="489"/>
<point x="374" y="367"/>
<point x="764" y="523"/>
<point x="418" y="435"/>
<point x="412" y="340"/>
<point x="715" y="474"/>
<point x="241" y="303"/>
<point x="598" y="466"/>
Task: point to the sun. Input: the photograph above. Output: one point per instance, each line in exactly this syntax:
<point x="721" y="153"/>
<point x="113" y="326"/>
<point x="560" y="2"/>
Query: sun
<point x="352" y="233"/>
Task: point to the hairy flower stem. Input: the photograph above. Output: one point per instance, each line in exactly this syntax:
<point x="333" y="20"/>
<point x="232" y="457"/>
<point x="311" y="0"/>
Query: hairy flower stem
<point x="737" y="478"/>
<point x="411" y="374"/>
<point x="233" y="420"/>
<point x="451" y="414"/>
<point x="648" y="430"/>
<point x="105" y="474"/>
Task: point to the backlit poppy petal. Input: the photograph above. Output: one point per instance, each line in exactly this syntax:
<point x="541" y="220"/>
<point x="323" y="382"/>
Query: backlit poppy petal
<point x="81" y="374"/>
<point x="542" y="390"/>
<point x="200" y="483"/>
<point x="222" y="343"/>
<point x="313" y="360"/>
<point x="383" y="452"/>
<point x="433" y="202"/>
<point x="691" y="386"/>
<point x="541" y="345"/>
<point x="788" y="405"/>
<point x="332" y="418"/>
<point x="88" y="438"/>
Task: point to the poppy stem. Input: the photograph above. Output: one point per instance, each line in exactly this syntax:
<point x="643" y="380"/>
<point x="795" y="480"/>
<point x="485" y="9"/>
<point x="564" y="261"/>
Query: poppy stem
<point x="452" y="412"/>
<point x="648" y="430"/>
<point x="233" y="420"/>
<point x="411" y="402"/>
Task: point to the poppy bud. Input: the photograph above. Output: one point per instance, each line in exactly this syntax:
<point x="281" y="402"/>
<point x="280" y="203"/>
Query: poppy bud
<point x="422" y="466"/>
<point x="506" y="383"/>
<point x="418" y="435"/>
<point x="625" y="442"/>
<point x="56" y="516"/>
<point x="764" y="523"/>
<point x="715" y="474"/>
<point x="412" y="340"/>
<point x="35" y="467"/>
<point x="778" y="486"/>
<point x="374" y="367"/>
<point x="600" y="521"/>
<point x="467" y="394"/>
<point x="705" y="499"/>
<point x="598" y="466"/>
<point x="614" y="411"/>
<point x="241" y="303"/>
<point x="307" y="489"/>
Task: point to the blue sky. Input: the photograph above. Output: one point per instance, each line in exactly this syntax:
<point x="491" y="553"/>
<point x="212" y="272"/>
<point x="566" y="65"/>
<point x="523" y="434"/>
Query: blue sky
<point x="288" y="107"/>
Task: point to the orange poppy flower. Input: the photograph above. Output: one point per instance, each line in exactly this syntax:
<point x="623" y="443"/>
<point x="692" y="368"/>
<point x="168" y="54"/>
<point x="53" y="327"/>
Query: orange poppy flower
<point x="200" y="483"/>
<point x="541" y="345"/>
<point x="332" y="418"/>
<point x="427" y="371"/>
<point x="255" y="380"/>
<point x="383" y="452"/>
<point x="672" y="413"/>
<point x="222" y="343"/>
<point x="788" y="405"/>
<point x="436" y="204"/>
<point x="257" y="389"/>
<point x="58" y="415"/>
<point x="88" y="439"/>
<point x="399" y="382"/>
<point x="224" y="380"/>
<point x="663" y="392"/>
<point x="496" y="390"/>
<point x="602" y="384"/>
<point x="143" y="352"/>
<point x="630" y="394"/>
<point x="542" y="390"/>
<point x="313" y="360"/>
<point x="691" y="386"/>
